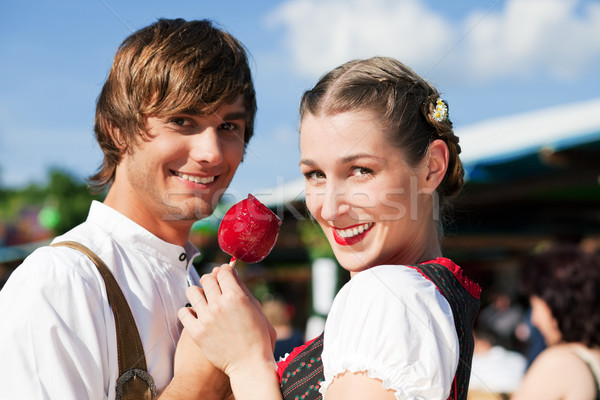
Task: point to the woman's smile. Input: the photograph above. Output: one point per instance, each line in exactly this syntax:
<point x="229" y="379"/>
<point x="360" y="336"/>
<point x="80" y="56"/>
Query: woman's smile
<point x="352" y="234"/>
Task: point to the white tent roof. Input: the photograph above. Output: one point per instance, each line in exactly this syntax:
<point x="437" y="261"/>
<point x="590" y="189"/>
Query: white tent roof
<point x="284" y="193"/>
<point x="509" y="137"/>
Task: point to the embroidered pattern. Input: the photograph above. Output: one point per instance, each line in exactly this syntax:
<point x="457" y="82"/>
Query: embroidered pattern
<point x="302" y="377"/>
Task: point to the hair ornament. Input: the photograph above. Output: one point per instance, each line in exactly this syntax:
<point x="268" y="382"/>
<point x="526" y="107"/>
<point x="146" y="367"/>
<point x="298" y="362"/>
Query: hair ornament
<point x="440" y="112"/>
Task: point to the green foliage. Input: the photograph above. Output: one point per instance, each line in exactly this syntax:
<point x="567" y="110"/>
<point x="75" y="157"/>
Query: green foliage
<point x="314" y="239"/>
<point x="64" y="201"/>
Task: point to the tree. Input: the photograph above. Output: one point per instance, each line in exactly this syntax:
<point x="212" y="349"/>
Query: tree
<point x="62" y="203"/>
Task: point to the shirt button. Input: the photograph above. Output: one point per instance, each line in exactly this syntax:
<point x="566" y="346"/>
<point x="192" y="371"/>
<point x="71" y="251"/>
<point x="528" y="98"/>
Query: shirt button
<point x="182" y="257"/>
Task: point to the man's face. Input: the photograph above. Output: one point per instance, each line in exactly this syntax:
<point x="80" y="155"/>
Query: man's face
<point x="186" y="164"/>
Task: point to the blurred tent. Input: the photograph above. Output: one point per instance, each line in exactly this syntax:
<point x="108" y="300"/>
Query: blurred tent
<point x="534" y="174"/>
<point x="17" y="253"/>
<point x="11" y="253"/>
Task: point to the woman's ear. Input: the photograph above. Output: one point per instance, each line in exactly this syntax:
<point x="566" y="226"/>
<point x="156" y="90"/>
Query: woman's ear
<point x="436" y="164"/>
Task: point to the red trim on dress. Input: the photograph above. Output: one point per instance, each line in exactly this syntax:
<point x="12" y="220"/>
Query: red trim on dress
<point x="473" y="288"/>
<point x="282" y="365"/>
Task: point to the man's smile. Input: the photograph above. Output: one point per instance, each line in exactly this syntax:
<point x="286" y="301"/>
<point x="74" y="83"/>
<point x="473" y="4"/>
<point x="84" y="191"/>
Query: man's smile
<point x="195" y="178"/>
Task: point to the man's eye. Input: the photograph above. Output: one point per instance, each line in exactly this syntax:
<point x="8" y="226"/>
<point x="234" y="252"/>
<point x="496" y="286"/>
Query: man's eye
<point x="228" y="126"/>
<point x="180" y="121"/>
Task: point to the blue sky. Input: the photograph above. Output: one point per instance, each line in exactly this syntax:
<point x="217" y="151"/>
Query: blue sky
<point x="488" y="58"/>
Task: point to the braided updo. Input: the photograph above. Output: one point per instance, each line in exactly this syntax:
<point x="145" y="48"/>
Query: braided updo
<point x="405" y="102"/>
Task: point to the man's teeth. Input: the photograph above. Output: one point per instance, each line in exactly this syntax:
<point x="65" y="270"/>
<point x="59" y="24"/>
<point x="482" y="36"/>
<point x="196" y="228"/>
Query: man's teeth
<point x="196" y="179"/>
<point x="357" y="230"/>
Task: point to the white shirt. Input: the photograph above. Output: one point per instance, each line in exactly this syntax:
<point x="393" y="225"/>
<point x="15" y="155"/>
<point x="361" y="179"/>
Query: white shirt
<point x="57" y="335"/>
<point x="392" y="323"/>
<point x="498" y="370"/>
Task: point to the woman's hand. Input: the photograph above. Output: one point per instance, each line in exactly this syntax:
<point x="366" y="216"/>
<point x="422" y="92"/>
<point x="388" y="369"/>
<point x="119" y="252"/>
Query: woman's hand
<point x="227" y="322"/>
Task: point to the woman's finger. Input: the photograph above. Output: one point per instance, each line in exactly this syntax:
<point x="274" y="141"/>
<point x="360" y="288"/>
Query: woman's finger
<point x="196" y="296"/>
<point x="230" y="272"/>
<point x="187" y="316"/>
<point x="228" y="280"/>
<point x="211" y="287"/>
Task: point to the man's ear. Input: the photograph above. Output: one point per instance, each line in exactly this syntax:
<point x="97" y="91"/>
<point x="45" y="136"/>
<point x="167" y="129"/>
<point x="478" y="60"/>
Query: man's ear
<point x="436" y="164"/>
<point x="117" y="137"/>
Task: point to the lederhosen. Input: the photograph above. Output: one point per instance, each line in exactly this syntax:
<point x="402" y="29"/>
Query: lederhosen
<point x="302" y="371"/>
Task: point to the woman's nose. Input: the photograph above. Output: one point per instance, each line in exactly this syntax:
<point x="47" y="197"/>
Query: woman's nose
<point x="334" y="204"/>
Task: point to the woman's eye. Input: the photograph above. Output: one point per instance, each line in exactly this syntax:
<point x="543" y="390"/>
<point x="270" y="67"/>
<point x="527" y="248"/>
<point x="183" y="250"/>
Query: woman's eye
<point x="361" y="171"/>
<point x="314" y="175"/>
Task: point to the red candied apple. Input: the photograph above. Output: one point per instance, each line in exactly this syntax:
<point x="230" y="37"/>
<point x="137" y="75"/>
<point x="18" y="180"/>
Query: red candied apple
<point x="248" y="231"/>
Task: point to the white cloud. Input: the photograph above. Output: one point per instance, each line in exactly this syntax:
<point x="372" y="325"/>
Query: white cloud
<point x="517" y="38"/>
<point x="534" y="37"/>
<point x="324" y="34"/>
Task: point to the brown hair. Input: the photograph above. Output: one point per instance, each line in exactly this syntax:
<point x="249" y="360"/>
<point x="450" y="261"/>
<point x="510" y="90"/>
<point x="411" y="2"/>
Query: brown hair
<point x="168" y="67"/>
<point x="567" y="279"/>
<point x="403" y="99"/>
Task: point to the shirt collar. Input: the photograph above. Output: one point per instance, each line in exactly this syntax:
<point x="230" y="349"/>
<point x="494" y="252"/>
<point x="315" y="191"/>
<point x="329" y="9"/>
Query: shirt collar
<point x="124" y="230"/>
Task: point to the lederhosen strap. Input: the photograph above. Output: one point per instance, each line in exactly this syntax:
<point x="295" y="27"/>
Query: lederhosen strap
<point x="134" y="382"/>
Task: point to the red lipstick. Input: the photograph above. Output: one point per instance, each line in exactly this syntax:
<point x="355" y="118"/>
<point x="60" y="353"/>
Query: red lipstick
<point x="349" y="241"/>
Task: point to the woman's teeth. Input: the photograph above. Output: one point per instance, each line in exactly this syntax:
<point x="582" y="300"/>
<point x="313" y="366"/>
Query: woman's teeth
<point x="357" y="230"/>
<point x="196" y="179"/>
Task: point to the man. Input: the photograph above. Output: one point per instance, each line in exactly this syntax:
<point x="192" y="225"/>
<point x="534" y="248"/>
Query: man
<point x="173" y="120"/>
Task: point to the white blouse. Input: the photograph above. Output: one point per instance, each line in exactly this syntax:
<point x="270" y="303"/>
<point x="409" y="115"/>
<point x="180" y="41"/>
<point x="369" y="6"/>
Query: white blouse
<point x="392" y="323"/>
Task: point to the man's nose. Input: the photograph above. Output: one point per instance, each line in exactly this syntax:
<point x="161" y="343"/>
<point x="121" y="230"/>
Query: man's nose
<point x="206" y="147"/>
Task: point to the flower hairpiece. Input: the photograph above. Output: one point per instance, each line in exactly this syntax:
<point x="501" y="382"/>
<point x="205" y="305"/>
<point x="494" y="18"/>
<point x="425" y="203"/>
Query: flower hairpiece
<point x="440" y="112"/>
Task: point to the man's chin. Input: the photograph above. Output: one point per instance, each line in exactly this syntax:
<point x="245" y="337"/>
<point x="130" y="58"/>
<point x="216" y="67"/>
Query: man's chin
<point x="188" y="212"/>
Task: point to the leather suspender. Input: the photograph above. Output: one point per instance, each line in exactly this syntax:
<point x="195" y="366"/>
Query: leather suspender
<point x="134" y="382"/>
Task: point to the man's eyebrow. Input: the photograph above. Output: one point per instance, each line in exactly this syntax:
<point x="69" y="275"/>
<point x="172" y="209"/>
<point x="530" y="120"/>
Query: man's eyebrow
<point x="234" y="115"/>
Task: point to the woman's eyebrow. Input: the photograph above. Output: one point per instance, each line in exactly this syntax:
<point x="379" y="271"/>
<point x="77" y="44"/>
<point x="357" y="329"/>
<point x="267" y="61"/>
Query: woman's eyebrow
<point x="308" y="162"/>
<point x="353" y="157"/>
<point x="343" y="160"/>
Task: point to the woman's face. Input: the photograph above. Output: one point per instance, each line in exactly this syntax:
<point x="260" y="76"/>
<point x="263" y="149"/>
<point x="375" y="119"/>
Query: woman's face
<point x="541" y="318"/>
<point x="362" y="192"/>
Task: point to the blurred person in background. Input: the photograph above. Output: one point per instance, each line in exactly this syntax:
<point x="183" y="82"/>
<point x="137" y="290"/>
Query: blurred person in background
<point x="563" y="284"/>
<point x="496" y="371"/>
<point x="279" y="313"/>
<point x="501" y="317"/>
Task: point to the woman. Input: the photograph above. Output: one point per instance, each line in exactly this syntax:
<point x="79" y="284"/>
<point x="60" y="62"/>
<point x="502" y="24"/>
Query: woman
<point x="380" y="161"/>
<point x="563" y="285"/>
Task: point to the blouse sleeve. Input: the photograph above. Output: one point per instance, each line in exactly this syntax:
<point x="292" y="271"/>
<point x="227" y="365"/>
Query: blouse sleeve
<point x="392" y="323"/>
